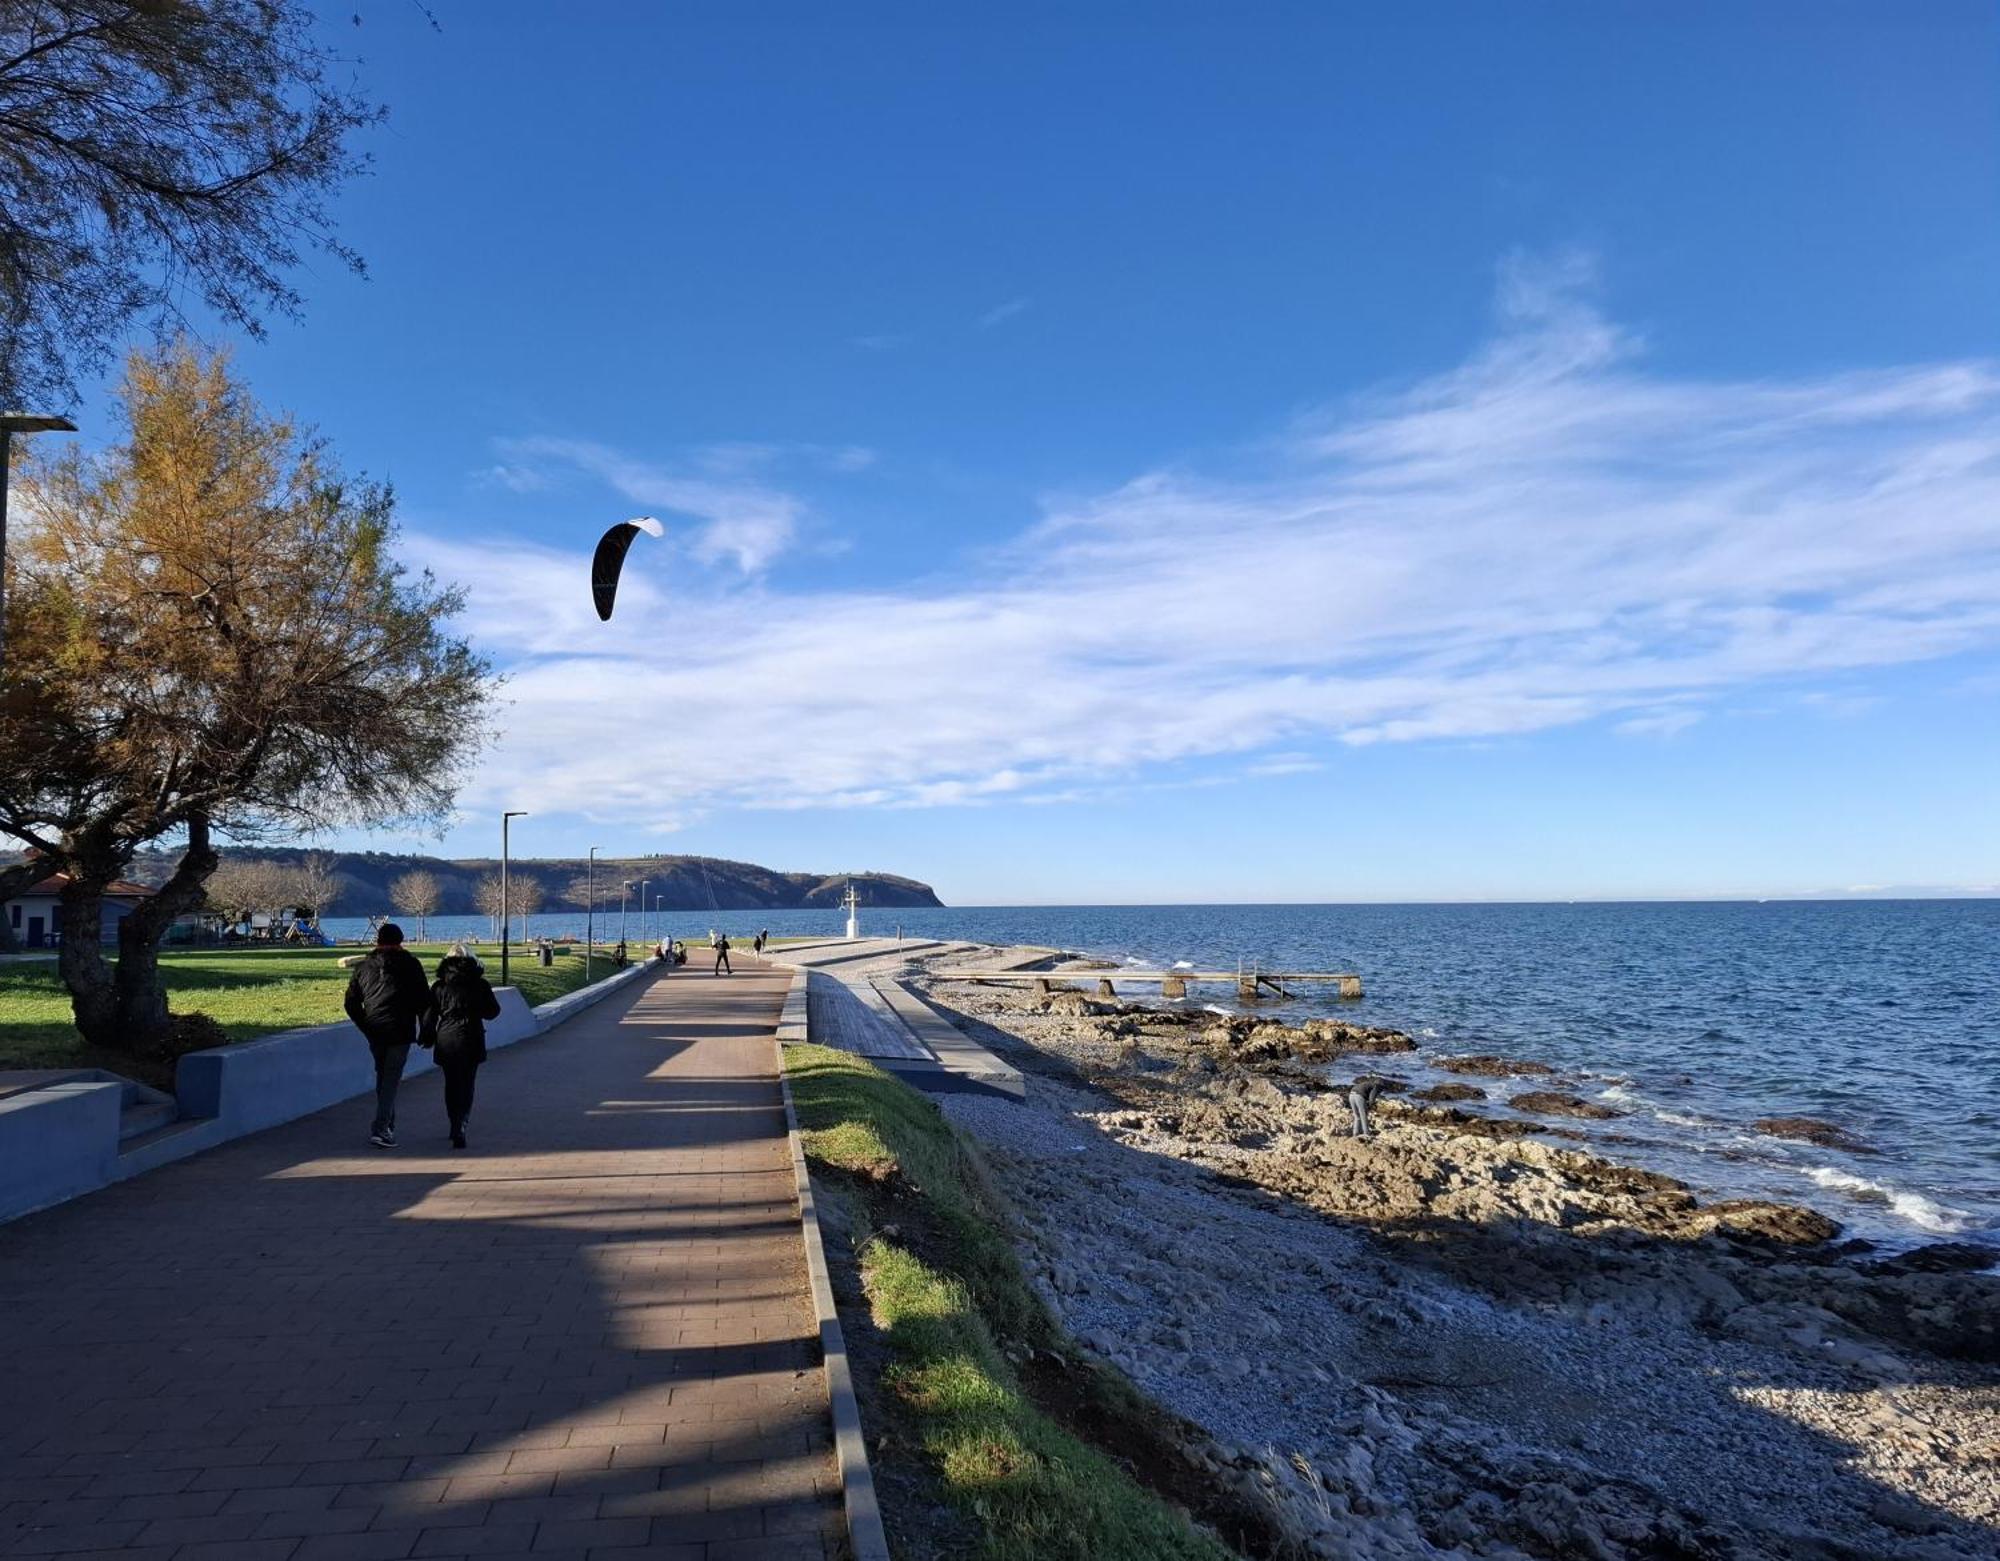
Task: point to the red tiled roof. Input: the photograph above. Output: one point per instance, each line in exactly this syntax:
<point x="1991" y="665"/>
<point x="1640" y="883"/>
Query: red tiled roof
<point x="53" y="885"/>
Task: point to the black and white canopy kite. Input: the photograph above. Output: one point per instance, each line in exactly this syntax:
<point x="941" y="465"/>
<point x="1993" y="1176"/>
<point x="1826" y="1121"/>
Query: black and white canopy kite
<point x="610" y="559"/>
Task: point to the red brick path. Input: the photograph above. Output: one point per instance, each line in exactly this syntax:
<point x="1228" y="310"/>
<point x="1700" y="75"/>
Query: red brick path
<point x="589" y="1335"/>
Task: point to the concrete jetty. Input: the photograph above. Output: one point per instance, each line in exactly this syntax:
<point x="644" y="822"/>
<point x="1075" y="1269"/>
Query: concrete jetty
<point x="860" y="1002"/>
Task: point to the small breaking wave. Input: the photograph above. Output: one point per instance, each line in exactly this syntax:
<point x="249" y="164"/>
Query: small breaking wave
<point x="1925" y="1213"/>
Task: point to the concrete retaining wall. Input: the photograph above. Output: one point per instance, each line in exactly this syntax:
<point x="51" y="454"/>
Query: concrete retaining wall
<point x="258" y="1084"/>
<point x="56" y="1143"/>
<point x="60" y="1142"/>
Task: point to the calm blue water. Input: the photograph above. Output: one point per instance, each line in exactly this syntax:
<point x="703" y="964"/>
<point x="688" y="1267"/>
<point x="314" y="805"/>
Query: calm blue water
<point x="1883" y="1017"/>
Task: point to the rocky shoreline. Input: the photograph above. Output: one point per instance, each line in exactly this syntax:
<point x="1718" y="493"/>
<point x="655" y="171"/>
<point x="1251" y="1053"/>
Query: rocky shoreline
<point x="1463" y="1335"/>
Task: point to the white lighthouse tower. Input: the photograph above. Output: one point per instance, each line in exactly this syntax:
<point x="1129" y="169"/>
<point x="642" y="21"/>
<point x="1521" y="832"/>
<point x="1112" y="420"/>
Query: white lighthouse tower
<point x="853" y="904"/>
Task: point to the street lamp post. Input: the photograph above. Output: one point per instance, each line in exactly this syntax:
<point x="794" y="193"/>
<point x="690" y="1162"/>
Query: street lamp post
<point x="506" y="921"/>
<point x="644" y="926"/>
<point x="12" y="423"/>
<point x="624" y="898"/>
<point x="589" y="913"/>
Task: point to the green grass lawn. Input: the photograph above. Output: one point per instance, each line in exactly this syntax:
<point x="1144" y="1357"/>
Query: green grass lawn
<point x="248" y="991"/>
<point x="946" y="1292"/>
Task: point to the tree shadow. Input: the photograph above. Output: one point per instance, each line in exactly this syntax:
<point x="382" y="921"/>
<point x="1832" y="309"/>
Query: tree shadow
<point x="589" y="1331"/>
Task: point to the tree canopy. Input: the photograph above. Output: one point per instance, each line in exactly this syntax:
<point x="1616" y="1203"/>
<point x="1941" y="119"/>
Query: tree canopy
<point x="155" y="152"/>
<point x="208" y="631"/>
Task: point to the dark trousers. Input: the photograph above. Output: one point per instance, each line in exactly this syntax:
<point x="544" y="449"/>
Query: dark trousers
<point x="389" y="1059"/>
<point x="722" y="961"/>
<point x="459" y="1073"/>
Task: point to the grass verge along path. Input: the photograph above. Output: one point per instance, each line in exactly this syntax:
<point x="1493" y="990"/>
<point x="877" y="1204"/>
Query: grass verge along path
<point x="979" y="1381"/>
<point x="248" y="991"/>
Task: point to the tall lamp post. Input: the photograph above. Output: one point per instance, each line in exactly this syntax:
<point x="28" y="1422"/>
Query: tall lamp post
<point x="644" y="928"/>
<point x="506" y="922"/>
<point x="12" y="423"/>
<point x="624" y="898"/>
<point x="589" y="913"/>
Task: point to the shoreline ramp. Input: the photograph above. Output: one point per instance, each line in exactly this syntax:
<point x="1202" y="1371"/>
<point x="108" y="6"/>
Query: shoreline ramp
<point x="859" y="1003"/>
<point x="590" y="1331"/>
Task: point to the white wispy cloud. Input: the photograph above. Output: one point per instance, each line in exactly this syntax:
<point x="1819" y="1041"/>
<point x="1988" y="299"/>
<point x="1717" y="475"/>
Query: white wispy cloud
<point x="744" y="520"/>
<point x="516" y="479"/>
<point x="1546" y="534"/>
<point x="1002" y="312"/>
<point x="749" y="519"/>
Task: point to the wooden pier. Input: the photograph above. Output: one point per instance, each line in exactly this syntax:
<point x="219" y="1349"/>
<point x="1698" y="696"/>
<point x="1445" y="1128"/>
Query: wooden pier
<point x="1251" y="984"/>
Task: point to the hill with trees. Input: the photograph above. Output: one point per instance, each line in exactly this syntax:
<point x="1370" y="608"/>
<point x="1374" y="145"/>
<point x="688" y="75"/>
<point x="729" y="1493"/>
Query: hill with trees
<point x="364" y="881"/>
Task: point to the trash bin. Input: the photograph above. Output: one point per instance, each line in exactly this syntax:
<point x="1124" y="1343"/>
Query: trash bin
<point x="546" y="954"/>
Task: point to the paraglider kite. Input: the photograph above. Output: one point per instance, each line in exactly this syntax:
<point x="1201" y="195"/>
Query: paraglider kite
<point x="610" y="559"/>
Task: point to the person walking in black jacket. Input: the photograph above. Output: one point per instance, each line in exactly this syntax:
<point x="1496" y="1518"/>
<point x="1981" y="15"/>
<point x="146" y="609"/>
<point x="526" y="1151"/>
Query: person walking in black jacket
<point x="722" y="956"/>
<point x="387" y="999"/>
<point x="461" y="1003"/>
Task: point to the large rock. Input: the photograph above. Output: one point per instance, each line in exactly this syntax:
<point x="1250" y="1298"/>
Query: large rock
<point x="1810" y="1130"/>
<point x="1444" y="1092"/>
<point x="1492" y="1067"/>
<point x="1560" y="1103"/>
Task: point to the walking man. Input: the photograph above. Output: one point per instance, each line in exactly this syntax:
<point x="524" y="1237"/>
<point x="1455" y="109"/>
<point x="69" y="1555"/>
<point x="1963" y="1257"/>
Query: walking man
<point x="387" y="999"/>
<point x="722" y="956"/>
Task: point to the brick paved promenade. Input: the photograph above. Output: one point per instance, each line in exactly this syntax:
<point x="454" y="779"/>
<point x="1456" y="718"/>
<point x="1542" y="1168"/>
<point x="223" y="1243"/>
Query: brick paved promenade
<point x="587" y="1335"/>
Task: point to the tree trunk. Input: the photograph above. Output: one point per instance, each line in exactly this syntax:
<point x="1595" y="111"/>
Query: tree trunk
<point x="123" y="1007"/>
<point x="89" y="977"/>
<point x="142" y="999"/>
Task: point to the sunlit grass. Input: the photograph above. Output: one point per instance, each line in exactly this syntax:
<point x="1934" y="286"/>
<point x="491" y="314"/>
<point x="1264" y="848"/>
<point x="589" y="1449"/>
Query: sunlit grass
<point x="1031" y="1489"/>
<point x="248" y="991"/>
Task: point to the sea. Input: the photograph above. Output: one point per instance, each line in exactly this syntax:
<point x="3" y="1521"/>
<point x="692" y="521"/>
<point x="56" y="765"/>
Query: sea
<point x="1691" y="1019"/>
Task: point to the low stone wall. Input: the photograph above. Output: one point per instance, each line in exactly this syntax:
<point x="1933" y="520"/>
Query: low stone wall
<point x="56" y="1143"/>
<point x="61" y="1142"/>
<point x="258" y="1084"/>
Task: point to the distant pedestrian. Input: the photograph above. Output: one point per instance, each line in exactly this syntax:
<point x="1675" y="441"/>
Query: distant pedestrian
<point x="714" y="937"/>
<point x="387" y="998"/>
<point x="722" y="957"/>
<point x="762" y="939"/>
<point x="461" y="1003"/>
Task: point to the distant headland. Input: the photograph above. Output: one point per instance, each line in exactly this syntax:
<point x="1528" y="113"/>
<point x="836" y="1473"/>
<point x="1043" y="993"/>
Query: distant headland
<point x="679" y="883"/>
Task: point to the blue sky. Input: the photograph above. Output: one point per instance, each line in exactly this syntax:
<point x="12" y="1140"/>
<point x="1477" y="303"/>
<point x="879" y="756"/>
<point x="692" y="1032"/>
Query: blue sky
<point x="1168" y="452"/>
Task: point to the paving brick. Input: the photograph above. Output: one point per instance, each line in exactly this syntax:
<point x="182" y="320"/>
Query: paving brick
<point x="281" y="1498"/>
<point x="589" y="1532"/>
<point x="246" y="1477"/>
<point x="58" y="1537"/>
<point x="588" y="1335"/>
<point x="170" y="1504"/>
<point x="238" y="1550"/>
<point x="195" y="1531"/>
<point x="301" y="1522"/>
<point x="485" y="1540"/>
<point x="371" y="1545"/>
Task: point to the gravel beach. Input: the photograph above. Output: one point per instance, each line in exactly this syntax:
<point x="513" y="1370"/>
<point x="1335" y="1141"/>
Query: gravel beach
<point x="1456" y="1339"/>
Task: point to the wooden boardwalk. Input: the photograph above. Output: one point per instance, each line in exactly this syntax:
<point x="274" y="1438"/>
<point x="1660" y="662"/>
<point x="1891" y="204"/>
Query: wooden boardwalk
<point x="587" y="1336"/>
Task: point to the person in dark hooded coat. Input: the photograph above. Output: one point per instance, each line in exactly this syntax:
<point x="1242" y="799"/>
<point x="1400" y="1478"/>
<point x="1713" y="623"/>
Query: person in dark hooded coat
<point x="461" y="1003"/>
<point x="387" y="1001"/>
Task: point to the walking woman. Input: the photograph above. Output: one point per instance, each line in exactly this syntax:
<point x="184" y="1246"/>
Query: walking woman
<point x="461" y="1003"/>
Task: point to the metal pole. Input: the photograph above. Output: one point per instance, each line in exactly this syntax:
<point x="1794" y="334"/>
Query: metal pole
<point x="506" y="917"/>
<point x="589" y="913"/>
<point x="624" y="899"/>
<point x="643" y="926"/>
